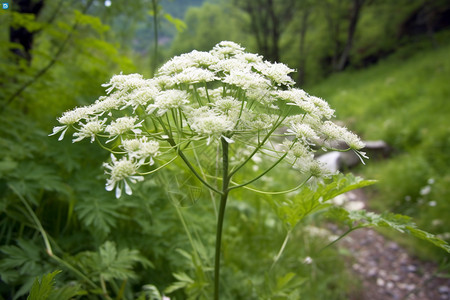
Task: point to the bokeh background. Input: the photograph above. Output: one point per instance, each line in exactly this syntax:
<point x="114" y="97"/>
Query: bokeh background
<point x="383" y="65"/>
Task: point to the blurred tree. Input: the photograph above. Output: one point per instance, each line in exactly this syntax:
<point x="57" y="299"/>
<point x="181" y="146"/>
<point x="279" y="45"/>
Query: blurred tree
<point x="22" y="35"/>
<point x="211" y="23"/>
<point x="268" y="20"/>
<point x="354" y="15"/>
<point x="341" y="14"/>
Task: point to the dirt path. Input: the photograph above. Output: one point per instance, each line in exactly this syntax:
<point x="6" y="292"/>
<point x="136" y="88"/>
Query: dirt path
<point x="387" y="271"/>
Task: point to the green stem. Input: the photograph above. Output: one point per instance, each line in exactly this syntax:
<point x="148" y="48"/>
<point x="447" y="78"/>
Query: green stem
<point x="48" y="246"/>
<point x="189" y="165"/>
<point x="339" y="238"/>
<point x="213" y="200"/>
<point x="223" y="203"/>
<point x="278" y="192"/>
<point x="283" y="246"/>
<point x="260" y="175"/>
<point x="268" y="135"/>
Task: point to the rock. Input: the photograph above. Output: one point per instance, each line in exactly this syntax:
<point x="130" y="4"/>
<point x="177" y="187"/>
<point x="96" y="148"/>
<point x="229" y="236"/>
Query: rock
<point x="336" y="160"/>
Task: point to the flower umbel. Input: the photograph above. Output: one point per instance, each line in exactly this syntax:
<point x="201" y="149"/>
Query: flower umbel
<point x="227" y="105"/>
<point x="226" y="97"/>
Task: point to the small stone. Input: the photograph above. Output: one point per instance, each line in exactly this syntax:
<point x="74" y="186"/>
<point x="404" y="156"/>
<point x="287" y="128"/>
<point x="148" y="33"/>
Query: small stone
<point x="411" y="268"/>
<point x="380" y="281"/>
<point x="395" y="277"/>
<point x="389" y="285"/>
<point x="372" y="272"/>
<point x="356" y="267"/>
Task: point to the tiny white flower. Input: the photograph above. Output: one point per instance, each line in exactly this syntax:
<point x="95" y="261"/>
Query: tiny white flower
<point x="106" y="104"/>
<point x="308" y="260"/>
<point x="228" y="65"/>
<point x="302" y="131"/>
<point x="169" y="99"/>
<point x="250" y="58"/>
<point x="229" y="107"/>
<point x="322" y="106"/>
<point x="425" y="190"/>
<point x="277" y="72"/>
<point x="201" y="58"/>
<point x="141" y="97"/>
<point x="176" y="65"/>
<point x="226" y="49"/>
<point x="89" y="130"/>
<point x="194" y="75"/>
<point x="121" y="171"/>
<point x="73" y="116"/>
<point x="246" y="80"/>
<point x="141" y="149"/>
<point x="123" y="125"/>
<point x="124" y="82"/>
<point x="210" y="124"/>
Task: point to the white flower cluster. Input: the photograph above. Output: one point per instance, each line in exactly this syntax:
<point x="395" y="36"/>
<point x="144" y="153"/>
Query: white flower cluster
<point x="224" y="94"/>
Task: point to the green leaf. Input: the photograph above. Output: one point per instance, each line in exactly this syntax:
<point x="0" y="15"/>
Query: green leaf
<point x="287" y="286"/>
<point x="101" y="215"/>
<point x="94" y="22"/>
<point x="178" y="23"/>
<point x="307" y="201"/>
<point x="111" y="263"/>
<point x="401" y="223"/>
<point x="183" y="281"/>
<point x="66" y="292"/>
<point x="7" y="165"/>
<point x="41" y="289"/>
<point x="150" y="292"/>
<point x="25" y="20"/>
<point x="23" y="259"/>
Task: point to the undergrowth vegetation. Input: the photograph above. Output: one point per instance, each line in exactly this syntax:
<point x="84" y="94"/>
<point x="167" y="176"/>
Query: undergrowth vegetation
<point x="404" y="100"/>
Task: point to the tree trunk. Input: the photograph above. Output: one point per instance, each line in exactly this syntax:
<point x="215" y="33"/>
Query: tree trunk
<point x="356" y="10"/>
<point x="21" y="35"/>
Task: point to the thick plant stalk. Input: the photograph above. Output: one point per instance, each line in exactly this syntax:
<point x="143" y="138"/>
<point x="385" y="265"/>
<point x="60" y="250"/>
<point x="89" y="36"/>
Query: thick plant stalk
<point x="223" y="203"/>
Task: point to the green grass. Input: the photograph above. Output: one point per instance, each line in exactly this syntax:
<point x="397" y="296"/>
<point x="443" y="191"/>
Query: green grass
<point x="405" y="101"/>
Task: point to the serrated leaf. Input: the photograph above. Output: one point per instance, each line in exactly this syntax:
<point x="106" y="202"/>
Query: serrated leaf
<point x="307" y="201"/>
<point x="183" y="281"/>
<point x="111" y="263"/>
<point x="401" y="223"/>
<point x="150" y="292"/>
<point x="66" y="292"/>
<point x="101" y="215"/>
<point x="41" y="289"/>
<point x="24" y="259"/>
